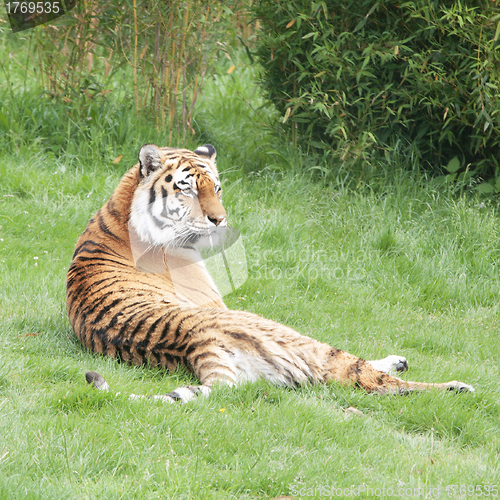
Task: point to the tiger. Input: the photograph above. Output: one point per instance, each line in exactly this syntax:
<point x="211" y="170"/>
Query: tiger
<point x="124" y="301"/>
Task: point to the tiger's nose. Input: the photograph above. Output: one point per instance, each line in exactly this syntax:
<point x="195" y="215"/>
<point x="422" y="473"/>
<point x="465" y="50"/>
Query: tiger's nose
<point x="217" y="220"/>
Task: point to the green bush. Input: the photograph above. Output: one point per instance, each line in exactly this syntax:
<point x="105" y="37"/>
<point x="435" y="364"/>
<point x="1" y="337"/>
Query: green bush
<point x="366" y="77"/>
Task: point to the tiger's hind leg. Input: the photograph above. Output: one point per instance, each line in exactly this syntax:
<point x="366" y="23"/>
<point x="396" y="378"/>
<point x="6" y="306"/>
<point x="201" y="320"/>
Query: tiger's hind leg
<point x="350" y="370"/>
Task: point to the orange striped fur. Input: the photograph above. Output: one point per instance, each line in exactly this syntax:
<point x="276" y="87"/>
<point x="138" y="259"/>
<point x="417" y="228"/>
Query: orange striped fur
<point x="129" y="308"/>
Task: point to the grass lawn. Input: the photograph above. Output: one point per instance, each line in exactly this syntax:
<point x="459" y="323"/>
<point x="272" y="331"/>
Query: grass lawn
<point x="406" y="266"/>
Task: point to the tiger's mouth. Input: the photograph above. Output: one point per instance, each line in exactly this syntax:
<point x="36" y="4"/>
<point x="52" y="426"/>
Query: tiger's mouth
<point x="191" y="236"/>
<point x="206" y="238"/>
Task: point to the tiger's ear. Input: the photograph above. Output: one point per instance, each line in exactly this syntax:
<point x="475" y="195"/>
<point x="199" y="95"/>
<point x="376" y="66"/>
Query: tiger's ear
<point x="207" y="151"/>
<point x="150" y="158"/>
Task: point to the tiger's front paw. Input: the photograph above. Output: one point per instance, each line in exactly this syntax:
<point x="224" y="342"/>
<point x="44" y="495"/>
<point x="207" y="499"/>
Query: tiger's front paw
<point x="460" y="387"/>
<point x="188" y="392"/>
<point x="391" y="364"/>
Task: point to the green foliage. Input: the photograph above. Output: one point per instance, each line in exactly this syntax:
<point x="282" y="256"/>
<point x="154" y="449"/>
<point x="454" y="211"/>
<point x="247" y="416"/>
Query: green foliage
<point x="156" y="52"/>
<point x="359" y="79"/>
<point x="70" y="128"/>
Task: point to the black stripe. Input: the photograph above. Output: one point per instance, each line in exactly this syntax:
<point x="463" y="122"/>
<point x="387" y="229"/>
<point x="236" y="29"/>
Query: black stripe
<point x="78" y="270"/>
<point x="152" y="192"/>
<point x="168" y="360"/>
<point x="139" y="325"/>
<point x="103" y="332"/>
<point x="99" y="250"/>
<point x="90" y="309"/>
<point x="356" y="369"/>
<point x="204" y="355"/>
<point x="199" y="326"/>
<point x="112" y="210"/>
<point x="143" y="344"/>
<point x="102" y="261"/>
<point x="103" y="246"/>
<point x="114" y="320"/>
<point x="84" y="288"/>
<point x="106" y="309"/>
<point x="257" y="344"/>
<point x="85" y="291"/>
<point x="124" y="348"/>
<point x="173" y="314"/>
<point x="213" y="365"/>
<point x="197" y="345"/>
<point x="177" y="331"/>
<point x="153" y="359"/>
<point x="104" y="228"/>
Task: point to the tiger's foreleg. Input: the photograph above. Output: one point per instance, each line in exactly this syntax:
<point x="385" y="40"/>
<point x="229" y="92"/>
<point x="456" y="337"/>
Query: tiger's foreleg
<point x="204" y="355"/>
<point x="184" y="394"/>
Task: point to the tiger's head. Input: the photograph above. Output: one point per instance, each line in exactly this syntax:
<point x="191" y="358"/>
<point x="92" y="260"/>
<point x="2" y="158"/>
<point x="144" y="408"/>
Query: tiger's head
<point x="177" y="202"/>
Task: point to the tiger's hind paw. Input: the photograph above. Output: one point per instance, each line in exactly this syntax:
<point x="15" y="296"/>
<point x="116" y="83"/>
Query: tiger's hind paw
<point x="391" y="364"/>
<point x="460" y="387"/>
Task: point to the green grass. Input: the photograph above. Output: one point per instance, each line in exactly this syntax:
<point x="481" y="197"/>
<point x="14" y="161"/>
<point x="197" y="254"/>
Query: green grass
<point x="406" y="266"/>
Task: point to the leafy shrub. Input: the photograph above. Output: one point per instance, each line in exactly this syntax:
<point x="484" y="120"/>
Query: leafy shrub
<point x="357" y="78"/>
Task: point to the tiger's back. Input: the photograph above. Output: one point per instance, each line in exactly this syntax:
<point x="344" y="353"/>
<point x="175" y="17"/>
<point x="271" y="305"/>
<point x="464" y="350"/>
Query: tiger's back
<point x="114" y="306"/>
<point x="125" y="300"/>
